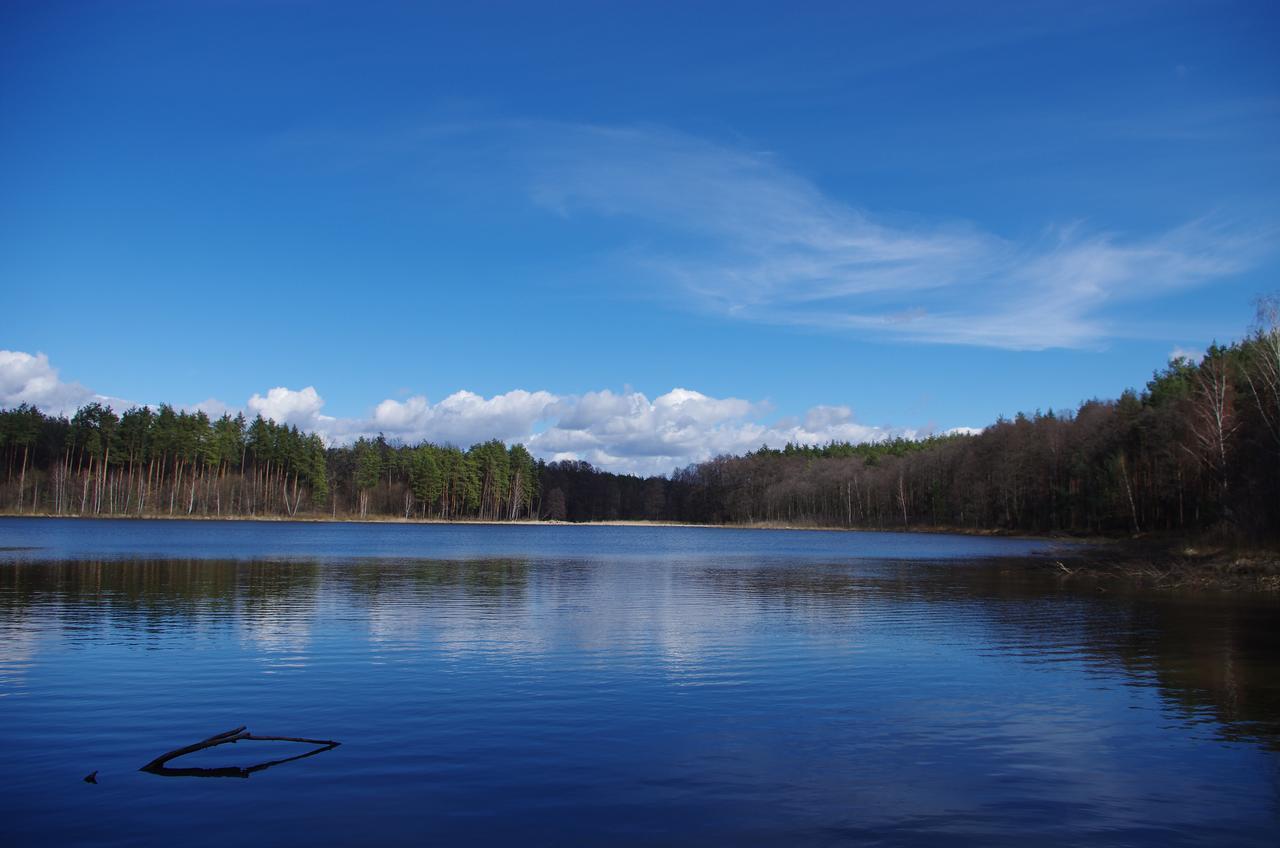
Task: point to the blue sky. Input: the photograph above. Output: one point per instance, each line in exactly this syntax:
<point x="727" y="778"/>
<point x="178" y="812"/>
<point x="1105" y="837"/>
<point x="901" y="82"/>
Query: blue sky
<point x="836" y="221"/>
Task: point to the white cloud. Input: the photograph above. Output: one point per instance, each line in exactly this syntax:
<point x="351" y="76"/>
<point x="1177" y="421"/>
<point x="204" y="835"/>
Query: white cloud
<point x="462" y="415"/>
<point x="1192" y="354"/>
<point x="742" y="236"/>
<point x="629" y="432"/>
<point x="287" y="406"/>
<point x="619" y="431"/>
<point x="29" y="378"/>
<point x="733" y="231"/>
<point x="212" y="407"/>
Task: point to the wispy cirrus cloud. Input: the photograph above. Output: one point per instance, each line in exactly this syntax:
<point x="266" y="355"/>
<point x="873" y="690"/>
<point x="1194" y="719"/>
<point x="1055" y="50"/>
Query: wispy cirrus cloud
<point x="733" y="231"/>
<point x="620" y="431"/>
<point x="741" y="235"/>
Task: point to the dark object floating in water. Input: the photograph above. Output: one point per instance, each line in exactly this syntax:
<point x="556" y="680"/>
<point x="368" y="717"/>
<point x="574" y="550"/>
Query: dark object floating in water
<point x="91" y="777"/>
<point x="158" y="765"/>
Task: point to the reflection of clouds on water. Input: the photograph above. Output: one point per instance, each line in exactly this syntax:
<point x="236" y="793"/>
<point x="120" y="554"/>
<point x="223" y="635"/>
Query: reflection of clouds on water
<point x="574" y="606"/>
<point x="454" y="609"/>
<point x="692" y="623"/>
<point x="512" y="610"/>
<point x="658" y="623"/>
<point x="279" y="627"/>
<point x="699" y="624"/>
<point x="283" y="639"/>
<point x="394" y="623"/>
<point x="282" y="644"/>
<point x="19" y="645"/>
<point x="683" y="641"/>
<point x="458" y="637"/>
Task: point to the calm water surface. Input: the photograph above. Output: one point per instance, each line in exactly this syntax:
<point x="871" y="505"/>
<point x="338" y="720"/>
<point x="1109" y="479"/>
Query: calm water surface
<point x="596" y="685"/>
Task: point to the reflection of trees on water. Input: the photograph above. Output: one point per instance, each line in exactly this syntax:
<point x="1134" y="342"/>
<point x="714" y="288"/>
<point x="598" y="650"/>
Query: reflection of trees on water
<point x="1209" y="655"/>
<point x="169" y="589"/>
<point x="1218" y="656"/>
<point x="269" y="604"/>
<point x="272" y="606"/>
<point x="1214" y="654"/>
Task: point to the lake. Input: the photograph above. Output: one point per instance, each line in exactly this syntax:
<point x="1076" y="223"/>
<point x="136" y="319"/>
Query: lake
<point x="618" y="685"/>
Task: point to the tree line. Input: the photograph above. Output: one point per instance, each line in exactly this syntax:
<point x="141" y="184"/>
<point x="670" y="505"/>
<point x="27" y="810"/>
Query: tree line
<point x="1197" y="449"/>
<point x="177" y="463"/>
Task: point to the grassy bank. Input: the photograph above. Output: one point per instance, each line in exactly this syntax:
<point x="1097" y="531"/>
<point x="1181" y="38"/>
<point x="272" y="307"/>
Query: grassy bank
<point x="1171" y="564"/>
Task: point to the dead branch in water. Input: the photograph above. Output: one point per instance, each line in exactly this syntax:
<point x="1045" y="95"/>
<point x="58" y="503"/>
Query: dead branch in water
<point x="238" y="734"/>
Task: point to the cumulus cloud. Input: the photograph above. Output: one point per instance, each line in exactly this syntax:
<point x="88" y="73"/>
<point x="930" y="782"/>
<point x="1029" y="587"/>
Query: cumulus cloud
<point x="459" y="416"/>
<point x="30" y="378"/>
<point x="629" y="432"/>
<point x="624" y="431"/>
<point x="287" y="406"/>
<point x="619" y="431"/>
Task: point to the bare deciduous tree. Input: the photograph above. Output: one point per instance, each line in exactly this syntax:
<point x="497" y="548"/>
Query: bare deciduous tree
<point x="1262" y="370"/>
<point x="1213" y="421"/>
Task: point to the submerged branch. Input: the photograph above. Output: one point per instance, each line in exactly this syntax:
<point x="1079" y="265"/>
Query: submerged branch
<point x="238" y="734"/>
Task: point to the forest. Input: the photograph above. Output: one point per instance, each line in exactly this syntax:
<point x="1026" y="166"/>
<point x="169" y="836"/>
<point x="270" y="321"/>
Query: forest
<point x="1196" y="451"/>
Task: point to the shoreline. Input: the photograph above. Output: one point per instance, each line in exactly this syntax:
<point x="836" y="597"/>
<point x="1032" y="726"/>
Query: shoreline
<point x="1157" y="562"/>
<point x="535" y="522"/>
<point x="1172" y="565"/>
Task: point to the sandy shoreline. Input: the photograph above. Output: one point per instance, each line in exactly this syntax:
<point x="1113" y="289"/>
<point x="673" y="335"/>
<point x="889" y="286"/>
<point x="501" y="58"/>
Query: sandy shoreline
<point x="529" y="522"/>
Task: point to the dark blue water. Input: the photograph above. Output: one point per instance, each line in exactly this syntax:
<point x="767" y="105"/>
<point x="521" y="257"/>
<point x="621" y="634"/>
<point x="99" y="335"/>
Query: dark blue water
<point x="571" y="685"/>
